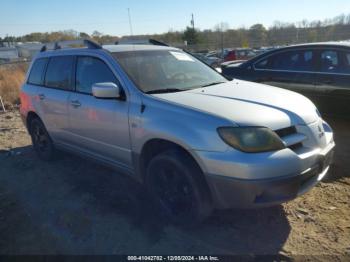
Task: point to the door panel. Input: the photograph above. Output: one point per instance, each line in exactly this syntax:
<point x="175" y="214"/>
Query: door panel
<point x="53" y="96"/>
<point x="333" y="94"/>
<point x="333" y="82"/>
<point x="292" y="69"/>
<point x="303" y="83"/>
<point x="99" y="126"/>
<point x="53" y="109"/>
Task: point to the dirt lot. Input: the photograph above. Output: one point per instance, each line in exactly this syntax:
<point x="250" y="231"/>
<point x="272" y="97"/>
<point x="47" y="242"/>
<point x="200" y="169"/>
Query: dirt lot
<point x="73" y="206"/>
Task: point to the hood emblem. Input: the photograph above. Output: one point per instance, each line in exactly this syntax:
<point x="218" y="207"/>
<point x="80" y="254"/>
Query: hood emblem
<point x="320" y="132"/>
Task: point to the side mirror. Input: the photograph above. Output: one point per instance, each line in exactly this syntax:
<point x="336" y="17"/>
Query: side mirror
<point x="105" y="90"/>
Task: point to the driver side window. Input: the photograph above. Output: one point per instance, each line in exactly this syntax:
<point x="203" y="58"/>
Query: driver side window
<point x="91" y="70"/>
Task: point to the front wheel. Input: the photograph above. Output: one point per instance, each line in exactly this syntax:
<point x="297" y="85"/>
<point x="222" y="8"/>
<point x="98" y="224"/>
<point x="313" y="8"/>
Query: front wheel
<point x="176" y="185"/>
<point x="41" y="140"/>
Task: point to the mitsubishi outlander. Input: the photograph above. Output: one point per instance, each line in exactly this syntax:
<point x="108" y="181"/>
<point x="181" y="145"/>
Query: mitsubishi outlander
<point x="196" y="140"/>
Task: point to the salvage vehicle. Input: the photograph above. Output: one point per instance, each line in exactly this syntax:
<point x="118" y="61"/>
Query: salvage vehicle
<point x="320" y="71"/>
<point x="196" y="140"/>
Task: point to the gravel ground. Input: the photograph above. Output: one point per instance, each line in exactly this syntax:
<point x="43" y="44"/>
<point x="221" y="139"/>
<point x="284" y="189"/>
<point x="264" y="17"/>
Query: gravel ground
<point x="74" y="206"/>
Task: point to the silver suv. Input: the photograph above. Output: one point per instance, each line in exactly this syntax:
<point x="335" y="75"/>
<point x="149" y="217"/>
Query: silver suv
<point x="195" y="139"/>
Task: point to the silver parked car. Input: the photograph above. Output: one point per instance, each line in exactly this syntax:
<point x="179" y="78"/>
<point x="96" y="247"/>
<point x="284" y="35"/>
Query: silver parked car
<point x="212" y="61"/>
<point x="196" y="140"/>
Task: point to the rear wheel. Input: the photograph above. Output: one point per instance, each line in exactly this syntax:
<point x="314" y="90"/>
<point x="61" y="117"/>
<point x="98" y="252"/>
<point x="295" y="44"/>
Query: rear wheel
<point x="41" y="140"/>
<point x="177" y="187"/>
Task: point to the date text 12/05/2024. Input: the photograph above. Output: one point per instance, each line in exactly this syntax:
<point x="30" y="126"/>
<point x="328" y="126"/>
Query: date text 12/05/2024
<point x="173" y="258"/>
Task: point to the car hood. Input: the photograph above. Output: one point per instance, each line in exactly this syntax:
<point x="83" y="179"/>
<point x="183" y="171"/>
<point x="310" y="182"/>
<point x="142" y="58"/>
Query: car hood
<point x="249" y="104"/>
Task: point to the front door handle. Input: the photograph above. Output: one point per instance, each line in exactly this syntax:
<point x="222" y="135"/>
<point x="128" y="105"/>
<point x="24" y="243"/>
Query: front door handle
<point x="41" y="96"/>
<point x="75" y="103"/>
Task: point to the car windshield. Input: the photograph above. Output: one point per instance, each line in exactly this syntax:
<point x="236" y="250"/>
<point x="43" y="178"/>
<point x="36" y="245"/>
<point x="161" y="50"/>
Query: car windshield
<point x="160" y="71"/>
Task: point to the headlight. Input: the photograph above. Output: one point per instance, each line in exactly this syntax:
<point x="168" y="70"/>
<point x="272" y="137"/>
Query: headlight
<point x="251" y="139"/>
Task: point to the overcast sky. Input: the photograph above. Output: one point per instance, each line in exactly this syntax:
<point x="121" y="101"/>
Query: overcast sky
<point x="19" y="17"/>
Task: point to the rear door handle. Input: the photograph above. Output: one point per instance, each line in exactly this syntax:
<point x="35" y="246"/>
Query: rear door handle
<point x="41" y="96"/>
<point x="75" y="103"/>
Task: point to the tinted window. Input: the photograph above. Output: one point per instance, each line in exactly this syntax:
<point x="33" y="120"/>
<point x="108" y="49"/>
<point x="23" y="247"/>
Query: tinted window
<point x="91" y="71"/>
<point x="348" y="58"/>
<point x="345" y="62"/>
<point x="59" y="72"/>
<point x="36" y="76"/>
<point x="263" y="64"/>
<point x="333" y="61"/>
<point x="300" y="60"/>
<point x="329" y="61"/>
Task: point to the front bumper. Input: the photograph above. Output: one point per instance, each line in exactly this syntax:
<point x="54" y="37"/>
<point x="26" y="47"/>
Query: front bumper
<point x="236" y="192"/>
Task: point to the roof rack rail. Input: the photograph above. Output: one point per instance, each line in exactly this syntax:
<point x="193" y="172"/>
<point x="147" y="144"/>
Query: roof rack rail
<point x="156" y="42"/>
<point x="71" y="43"/>
<point x="140" y="42"/>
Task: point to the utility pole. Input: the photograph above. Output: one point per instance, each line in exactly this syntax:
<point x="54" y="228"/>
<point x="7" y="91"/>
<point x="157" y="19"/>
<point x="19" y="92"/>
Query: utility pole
<point x="131" y="33"/>
<point x="222" y="38"/>
<point x="192" y="22"/>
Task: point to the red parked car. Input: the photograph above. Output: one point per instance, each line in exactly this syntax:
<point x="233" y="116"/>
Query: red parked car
<point x="238" y="54"/>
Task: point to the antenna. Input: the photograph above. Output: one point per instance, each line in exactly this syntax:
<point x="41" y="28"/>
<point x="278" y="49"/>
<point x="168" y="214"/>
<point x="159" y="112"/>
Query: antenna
<point x="130" y="22"/>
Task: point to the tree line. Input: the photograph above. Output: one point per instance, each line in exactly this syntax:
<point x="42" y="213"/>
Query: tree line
<point x="65" y="35"/>
<point x="279" y="34"/>
<point x="221" y="36"/>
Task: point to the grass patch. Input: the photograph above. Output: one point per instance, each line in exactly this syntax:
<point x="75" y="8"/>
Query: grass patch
<point x="11" y="79"/>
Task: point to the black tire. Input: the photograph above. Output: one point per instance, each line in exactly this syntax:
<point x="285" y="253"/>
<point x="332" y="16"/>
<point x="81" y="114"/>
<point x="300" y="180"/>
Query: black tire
<point x="177" y="187"/>
<point x="41" y="140"/>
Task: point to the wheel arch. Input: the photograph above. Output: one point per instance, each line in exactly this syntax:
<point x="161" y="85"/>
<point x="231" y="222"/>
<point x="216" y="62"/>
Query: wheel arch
<point x="156" y="146"/>
<point x="30" y="116"/>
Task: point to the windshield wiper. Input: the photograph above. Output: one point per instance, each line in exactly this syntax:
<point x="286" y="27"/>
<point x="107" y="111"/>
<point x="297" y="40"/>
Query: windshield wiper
<point x="213" y="84"/>
<point x="165" y="90"/>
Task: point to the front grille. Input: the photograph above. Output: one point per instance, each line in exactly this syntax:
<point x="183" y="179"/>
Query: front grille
<point x="296" y="146"/>
<point x="291" y="138"/>
<point x="286" y="131"/>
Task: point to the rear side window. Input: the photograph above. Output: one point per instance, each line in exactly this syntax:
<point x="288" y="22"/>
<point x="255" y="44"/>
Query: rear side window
<point x="59" y="73"/>
<point x="90" y="71"/>
<point x="347" y="59"/>
<point x="329" y="61"/>
<point x="300" y="60"/>
<point x="335" y="61"/>
<point x="346" y="62"/>
<point x="36" y="76"/>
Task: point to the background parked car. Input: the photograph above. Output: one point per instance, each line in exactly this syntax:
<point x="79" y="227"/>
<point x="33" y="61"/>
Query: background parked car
<point x="239" y="54"/>
<point x="212" y="61"/>
<point x="233" y="54"/>
<point x="320" y="71"/>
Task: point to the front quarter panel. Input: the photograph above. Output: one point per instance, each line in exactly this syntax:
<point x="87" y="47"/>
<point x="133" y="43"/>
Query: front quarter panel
<point x="187" y="127"/>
